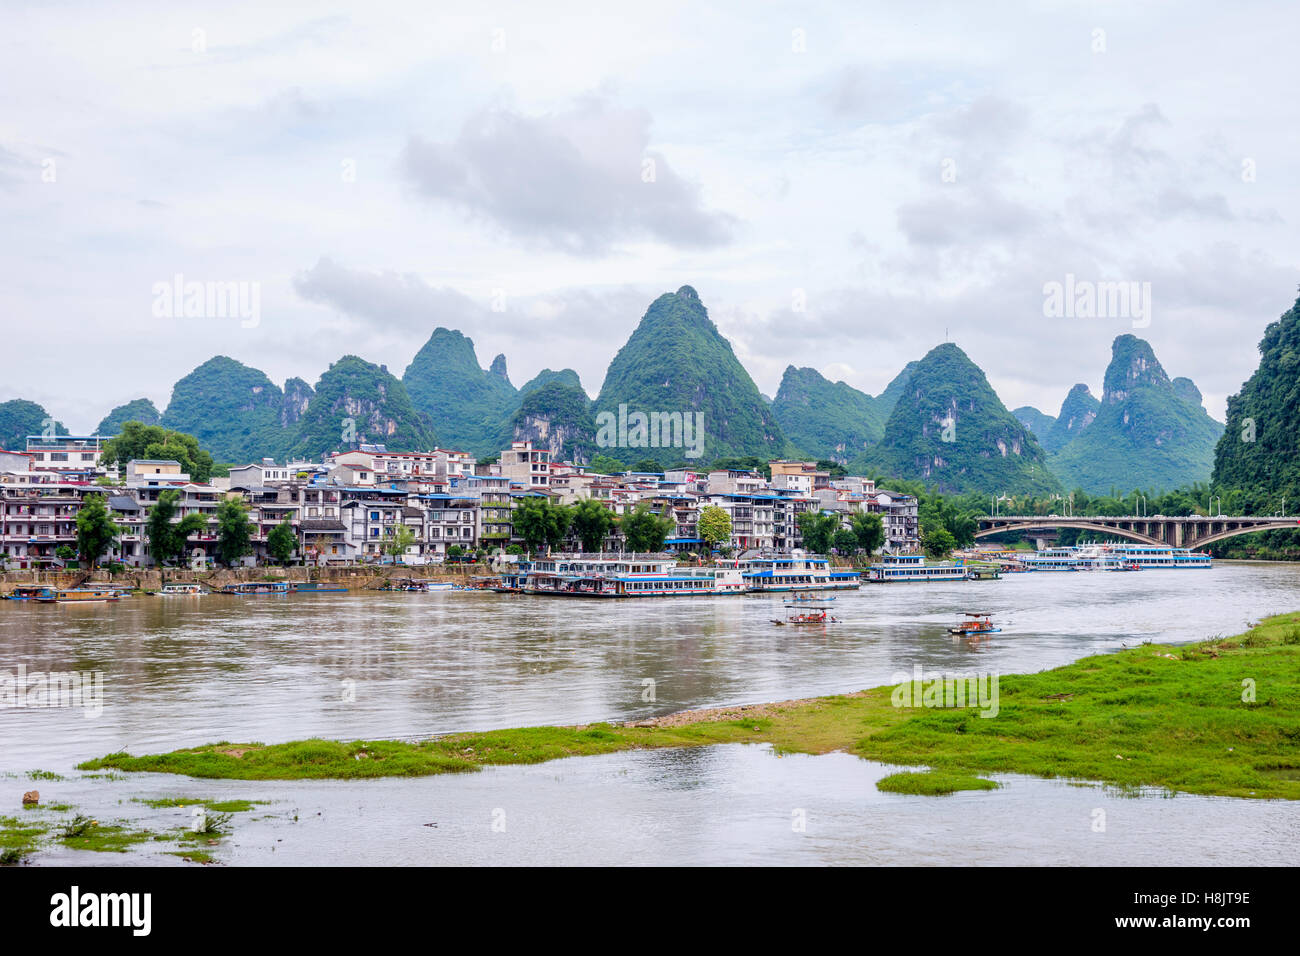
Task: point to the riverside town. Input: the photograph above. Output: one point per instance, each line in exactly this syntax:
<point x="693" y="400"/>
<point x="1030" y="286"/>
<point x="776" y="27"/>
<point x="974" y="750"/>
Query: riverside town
<point x="563" y="435"/>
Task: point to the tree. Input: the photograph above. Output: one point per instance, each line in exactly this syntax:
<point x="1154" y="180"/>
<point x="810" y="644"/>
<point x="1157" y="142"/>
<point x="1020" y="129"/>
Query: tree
<point x="846" y="542"/>
<point x="397" y="541"/>
<point x="715" y="526"/>
<point x="647" y="465"/>
<point x="153" y="442"/>
<point x="64" y="553"/>
<point x="938" y="542"/>
<point x="592" y="522"/>
<point x="281" y="543"/>
<point x="605" y="465"/>
<point x="818" y="530"/>
<point x="96" y="531"/>
<point x="234" y="531"/>
<point x="167" y="537"/>
<point x="869" y="529"/>
<point x="540" y="522"/>
<point x="645" y="530"/>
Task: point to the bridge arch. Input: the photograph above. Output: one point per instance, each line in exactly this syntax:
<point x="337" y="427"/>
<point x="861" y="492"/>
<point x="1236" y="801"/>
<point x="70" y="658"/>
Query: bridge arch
<point x="1235" y="532"/>
<point x="1053" y="525"/>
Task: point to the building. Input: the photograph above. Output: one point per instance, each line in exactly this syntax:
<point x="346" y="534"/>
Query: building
<point x="527" y="465"/>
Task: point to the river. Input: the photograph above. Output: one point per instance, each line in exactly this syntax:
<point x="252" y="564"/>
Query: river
<point x="183" y="671"/>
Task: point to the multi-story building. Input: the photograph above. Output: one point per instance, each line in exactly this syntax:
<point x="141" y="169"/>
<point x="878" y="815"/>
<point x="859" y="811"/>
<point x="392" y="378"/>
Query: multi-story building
<point x="527" y="465"/>
<point x="66" y="453"/>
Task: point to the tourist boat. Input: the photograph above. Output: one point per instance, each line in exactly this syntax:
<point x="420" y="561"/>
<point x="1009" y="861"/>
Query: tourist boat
<point x="1052" y="559"/>
<point x="314" y="587"/>
<point x="247" y="588"/>
<point x="1114" y="557"/>
<point x="183" y="590"/>
<point x="77" y="595"/>
<point x="621" y="577"/>
<point x="26" y="593"/>
<point x="983" y="572"/>
<point x="1159" y="556"/>
<point x="975" y="622"/>
<point x="795" y="572"/>
<point x="912" y="567"/>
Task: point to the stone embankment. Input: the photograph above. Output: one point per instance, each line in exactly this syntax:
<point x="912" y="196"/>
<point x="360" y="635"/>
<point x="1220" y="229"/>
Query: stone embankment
<point x="356" y="578"/>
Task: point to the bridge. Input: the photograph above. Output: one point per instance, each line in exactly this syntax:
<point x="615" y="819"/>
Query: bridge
<point x="1193" y="531"/>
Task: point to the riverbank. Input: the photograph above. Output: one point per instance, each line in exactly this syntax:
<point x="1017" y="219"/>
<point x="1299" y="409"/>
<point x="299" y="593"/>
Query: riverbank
<point x="1217" y="718"/>
<point x="353" y="577"/>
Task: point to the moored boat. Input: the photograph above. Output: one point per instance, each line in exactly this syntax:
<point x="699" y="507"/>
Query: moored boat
<point x="912" y="567"/>
<point x="314" y="587"/>
<point x="247" y="588"/>
<point x="183" y="590"/>
<point x="77" y="595"/>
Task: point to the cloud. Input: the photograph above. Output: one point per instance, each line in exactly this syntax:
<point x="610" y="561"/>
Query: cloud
<point x="953" y="220"/>
<point x="387" y="298"/>
<point x="576" y="181"/>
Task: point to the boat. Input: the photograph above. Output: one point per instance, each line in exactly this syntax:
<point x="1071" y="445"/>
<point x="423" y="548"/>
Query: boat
<point x="983" y="572"/>
<point x="26" y="593"/>
<point x="183" y="590"/>
<point x="629" y="576"/>
<point x="975" y="623"/>
<point x="247" y="588"/>
<point x="808" y="600"/>
<point x="912" y="567"/>
<point x="77" y="595"/>
<point x="808" y="617"/>
<point x="418" y="585"/>
<point x="314" y="587"/>
<point x="795" y="572"/>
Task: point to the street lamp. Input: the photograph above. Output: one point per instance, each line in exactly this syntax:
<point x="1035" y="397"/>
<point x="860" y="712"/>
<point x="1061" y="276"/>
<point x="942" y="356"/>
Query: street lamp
<point x="1214" y="498"/>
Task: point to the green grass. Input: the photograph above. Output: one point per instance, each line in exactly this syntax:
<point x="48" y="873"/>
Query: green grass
<point x="1151" y="716"/>
<point x="932" y="783"/>
<point x="216" y="806"/>
<point x="18" y="838"/>
<point x="105" y="839"/>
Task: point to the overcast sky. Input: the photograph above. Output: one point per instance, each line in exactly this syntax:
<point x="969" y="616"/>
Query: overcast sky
<point x="845" y="185"/>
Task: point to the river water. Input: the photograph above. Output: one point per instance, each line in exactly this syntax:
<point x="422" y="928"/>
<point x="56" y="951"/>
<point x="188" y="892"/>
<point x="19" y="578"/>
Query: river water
<point x="185" y="671"/>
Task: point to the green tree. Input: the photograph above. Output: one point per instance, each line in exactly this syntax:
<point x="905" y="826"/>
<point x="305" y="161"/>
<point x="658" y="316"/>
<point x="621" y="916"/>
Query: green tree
<point x="592" y="522"/>
<point x="605" y="465"/>
<point x="938" y="542"/>
<point x="64" y="553"/>
<point x="281" y="543"/>
<point x="818" y="530"/>
<point x="845" y="541"/>
<point x="647" y="465"/>
<point x="869" y="529"/>
<point x="153" y="442"/>
<point x="397" y="541"/>
<point x="540" y="522"/>
<point x="166" y="536"/>
<point x="96" y="531"/>
<point x="234" y="531"/>
<point x="644" y="530"/>
<point x="714" y="526"/>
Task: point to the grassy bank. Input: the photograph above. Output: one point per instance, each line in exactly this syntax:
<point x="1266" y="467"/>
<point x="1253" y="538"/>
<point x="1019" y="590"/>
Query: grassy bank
<point x="1220" y="717"/>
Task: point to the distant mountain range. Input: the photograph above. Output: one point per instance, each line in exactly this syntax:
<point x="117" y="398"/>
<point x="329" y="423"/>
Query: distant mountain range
<point x="938" y="421"/>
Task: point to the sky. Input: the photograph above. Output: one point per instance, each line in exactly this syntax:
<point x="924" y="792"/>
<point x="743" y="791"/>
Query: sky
<point x="846" y="186"/>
